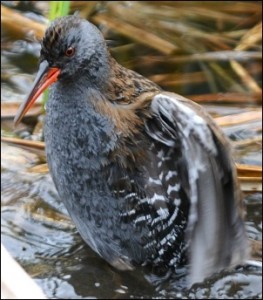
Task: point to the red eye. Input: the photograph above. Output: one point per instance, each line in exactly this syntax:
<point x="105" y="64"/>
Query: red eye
<point x="70" y="51"/>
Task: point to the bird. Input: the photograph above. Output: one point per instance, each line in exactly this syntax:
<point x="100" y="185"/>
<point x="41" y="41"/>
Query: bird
<point x="146" y="175"/>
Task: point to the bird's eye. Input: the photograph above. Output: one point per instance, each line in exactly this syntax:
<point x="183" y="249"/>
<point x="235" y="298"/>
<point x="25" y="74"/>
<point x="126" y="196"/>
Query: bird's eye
<point x="70" y="51"/>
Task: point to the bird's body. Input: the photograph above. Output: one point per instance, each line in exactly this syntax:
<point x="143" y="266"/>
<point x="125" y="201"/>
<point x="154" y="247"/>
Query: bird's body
<point x="118" y="173"/>
<point x="146" y="175"/>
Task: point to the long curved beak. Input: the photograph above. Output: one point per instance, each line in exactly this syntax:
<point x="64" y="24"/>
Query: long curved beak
<point x="45" y="77"/>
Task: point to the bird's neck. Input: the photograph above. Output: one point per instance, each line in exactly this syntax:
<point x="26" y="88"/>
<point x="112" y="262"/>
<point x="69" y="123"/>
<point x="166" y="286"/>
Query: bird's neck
<point x="78" y="138"/>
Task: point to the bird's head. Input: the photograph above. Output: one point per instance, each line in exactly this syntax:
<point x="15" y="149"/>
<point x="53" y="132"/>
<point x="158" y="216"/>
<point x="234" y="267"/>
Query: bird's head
<point x="72" y="49"/>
